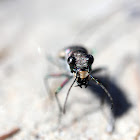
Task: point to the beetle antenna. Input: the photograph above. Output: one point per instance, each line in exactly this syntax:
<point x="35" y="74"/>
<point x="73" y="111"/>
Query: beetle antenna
<point x="106" y="91"/>
<point x="64" y="109"/>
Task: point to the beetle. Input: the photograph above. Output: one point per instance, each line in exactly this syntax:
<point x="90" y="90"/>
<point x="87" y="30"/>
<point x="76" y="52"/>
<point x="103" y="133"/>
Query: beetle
<point x="79" y="65"/>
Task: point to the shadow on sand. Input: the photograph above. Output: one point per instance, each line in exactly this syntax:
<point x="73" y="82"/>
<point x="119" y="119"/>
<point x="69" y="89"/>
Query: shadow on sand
<point x="121" y="103"/>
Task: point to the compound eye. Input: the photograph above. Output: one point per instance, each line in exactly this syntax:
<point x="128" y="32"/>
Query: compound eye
<point x="71" y="60"/>
<point x="90" y="59"/>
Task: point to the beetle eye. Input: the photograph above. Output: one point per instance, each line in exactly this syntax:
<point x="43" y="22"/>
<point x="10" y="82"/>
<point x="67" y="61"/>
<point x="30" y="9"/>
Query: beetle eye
<point x="71" y="60"/>
<point x="90" y="58"/>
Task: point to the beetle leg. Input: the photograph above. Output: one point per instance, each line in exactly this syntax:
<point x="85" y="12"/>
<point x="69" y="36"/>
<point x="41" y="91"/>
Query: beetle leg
<point x="64" y="109"/>
<point x="103" y="87"/>
<point x="52" y="76"/>
<point x="59" y="89"/>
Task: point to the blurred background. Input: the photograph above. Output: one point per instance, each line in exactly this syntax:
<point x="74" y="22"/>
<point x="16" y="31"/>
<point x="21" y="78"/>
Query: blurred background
<point x="32" y="30"/>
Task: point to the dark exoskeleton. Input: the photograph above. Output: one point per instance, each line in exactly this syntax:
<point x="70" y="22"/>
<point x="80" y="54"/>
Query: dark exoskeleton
<point x="79" y="63"/>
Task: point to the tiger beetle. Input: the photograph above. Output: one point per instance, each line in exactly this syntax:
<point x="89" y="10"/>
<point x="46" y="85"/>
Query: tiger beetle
<point x="79" y="64"/>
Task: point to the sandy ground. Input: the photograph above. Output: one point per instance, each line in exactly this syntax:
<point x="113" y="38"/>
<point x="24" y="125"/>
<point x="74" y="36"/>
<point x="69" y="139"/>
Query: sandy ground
<point x="31" y="31"/>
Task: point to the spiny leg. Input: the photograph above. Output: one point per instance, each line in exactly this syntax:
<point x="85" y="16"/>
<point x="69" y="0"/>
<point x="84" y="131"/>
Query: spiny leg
<point x="58" y="90"/>
<point x="57" y="99"/>
<point x="96" y="71"/>
<point x="111" y="123"/>
<point x="64" y="109"/>
<point x="52" y="76"/>
<point x="106" y="91"/>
